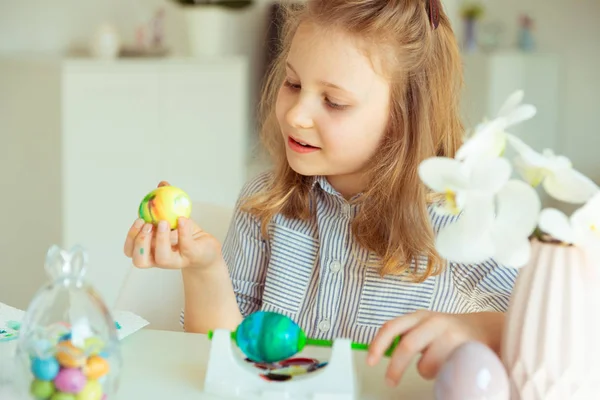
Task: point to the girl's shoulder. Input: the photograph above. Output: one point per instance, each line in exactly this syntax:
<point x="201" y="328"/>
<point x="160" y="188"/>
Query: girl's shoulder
<point x="256" y="184"/>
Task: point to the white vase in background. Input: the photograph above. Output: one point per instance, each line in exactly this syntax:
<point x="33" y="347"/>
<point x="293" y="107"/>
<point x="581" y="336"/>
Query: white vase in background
<point x="207" y="29"/>
<point x="106" y="43"/>
<point x="551" y="344"/>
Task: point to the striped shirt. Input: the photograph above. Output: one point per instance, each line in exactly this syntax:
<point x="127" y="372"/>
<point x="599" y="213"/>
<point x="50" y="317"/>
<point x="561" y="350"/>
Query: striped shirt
<point x="316" y="273"/>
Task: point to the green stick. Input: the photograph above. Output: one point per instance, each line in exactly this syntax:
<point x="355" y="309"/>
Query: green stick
<point x="329" y="343"/>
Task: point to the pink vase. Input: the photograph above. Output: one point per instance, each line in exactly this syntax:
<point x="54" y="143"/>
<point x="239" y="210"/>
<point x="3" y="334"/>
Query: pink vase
<point x="551" y="344"/>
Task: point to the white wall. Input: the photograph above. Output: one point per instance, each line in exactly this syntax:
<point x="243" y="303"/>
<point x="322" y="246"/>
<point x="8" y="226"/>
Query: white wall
<point x="569" y="29"/>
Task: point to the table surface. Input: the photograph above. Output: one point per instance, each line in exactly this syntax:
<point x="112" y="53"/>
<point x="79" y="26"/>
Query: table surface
<point x="172" y="365"/>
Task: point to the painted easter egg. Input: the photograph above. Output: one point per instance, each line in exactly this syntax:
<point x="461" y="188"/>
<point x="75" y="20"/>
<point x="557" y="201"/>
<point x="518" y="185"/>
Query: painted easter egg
<point x="70" y="380"/>
<point x="473" y="371"/>
<point x="269" y="337"/>
<point x="96" y="367"/>
<point x="166" y="203"/>
<point x="45" y="369"/>
<point x="42" y="389"/>
<point x="91" y="391"/>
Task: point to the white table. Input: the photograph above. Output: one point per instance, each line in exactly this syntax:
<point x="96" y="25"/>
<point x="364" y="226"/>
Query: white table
<point x="172" y="365"/>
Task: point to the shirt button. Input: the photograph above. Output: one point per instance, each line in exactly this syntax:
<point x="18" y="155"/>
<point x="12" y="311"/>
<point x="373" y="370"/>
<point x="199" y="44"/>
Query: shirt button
<point x="335" y="266"/>
<point x="324" y="325"/>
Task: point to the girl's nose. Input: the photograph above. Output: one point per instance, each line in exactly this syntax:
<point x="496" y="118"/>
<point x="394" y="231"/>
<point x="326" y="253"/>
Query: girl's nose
<point x="299" y="115"/>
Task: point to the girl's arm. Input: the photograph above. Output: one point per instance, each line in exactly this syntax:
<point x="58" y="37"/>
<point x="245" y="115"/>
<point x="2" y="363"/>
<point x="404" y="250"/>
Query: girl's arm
<point x="209" y="299"/>
<point x="220" y="296"/>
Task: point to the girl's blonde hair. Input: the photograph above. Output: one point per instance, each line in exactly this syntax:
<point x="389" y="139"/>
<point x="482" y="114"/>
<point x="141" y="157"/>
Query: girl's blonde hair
<point x="424" y="68"/>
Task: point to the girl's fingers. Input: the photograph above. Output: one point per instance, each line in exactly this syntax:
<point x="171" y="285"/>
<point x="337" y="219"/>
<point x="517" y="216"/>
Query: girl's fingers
<point x="413" y="343"/>
<point x="164" y="256"/>
<point x="434" y="357"/>
<point x="186" y="240"/>
<point x="142" y="254"/>
<point x="174" y="237"/>
<point x="131" y="235"/>
<point x="387" y="333"/>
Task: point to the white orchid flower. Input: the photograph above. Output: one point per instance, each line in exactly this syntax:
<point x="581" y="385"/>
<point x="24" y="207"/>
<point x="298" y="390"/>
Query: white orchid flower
<point x="556" y="173"/>
<point x="458" y="181"/>
<point x="497" y="228"/>
<point x="490" y="137"/>
<point x="582" y="229"/>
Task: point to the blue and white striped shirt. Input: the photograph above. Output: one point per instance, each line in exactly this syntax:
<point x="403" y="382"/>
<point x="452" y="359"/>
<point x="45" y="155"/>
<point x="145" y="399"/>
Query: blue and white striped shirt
<point x="314" y="272"/>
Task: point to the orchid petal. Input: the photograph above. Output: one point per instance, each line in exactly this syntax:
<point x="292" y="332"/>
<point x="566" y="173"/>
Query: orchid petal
<point x="522" y="113"/>
<point x="586" y="223"/>
<point x="490" y="175"/>
<point x="528" y="154"/>
<point x="443" y="174"/>
<point x="453" y="203"/>
<point x="511" y="103"/>
<point x="516" y="218"/>
<point x="518" y="209"/>
<point x="532" y="175"/>
<point x="468" y="240"/>
<point x="556" y="224"/>
<point x="512" y="252"/>
<point x="489" y="140"/>
<point x="570" y="186"/>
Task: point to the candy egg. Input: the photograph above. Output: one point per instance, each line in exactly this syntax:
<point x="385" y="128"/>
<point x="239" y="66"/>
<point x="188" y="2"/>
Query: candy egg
<point x="166" y="203"/>
<point x="269" y="337"/>
<point x="91" y="391"/>
<point x="69" y="356"/>
<point x="45" y="369"/>
<point x="93" y="346"/>
<point x="96" y="367"/>
<point x="473" y="371"/>
<point x="70" y="380"/>
<point x="42" y="389"/>
<point x="63" y="396"/>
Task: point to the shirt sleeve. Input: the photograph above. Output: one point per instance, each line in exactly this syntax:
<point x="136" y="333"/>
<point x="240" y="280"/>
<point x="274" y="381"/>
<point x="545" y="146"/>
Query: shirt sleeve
<point x="246" y="253"/>
<point x="484" y="287"/>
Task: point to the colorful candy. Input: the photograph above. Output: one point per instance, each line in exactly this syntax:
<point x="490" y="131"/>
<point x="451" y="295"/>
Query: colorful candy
<point x="45" y="369"/>
<point x="70" y="356"/>
<point x="70" y="380"/>
<point x="96" y="367"/>
<point x="63" y="396"/>
<point x="71" y="372"/>
<point x="166" y="203"/>
<point x="91" y="391"/>
<point x="42" y="389"/>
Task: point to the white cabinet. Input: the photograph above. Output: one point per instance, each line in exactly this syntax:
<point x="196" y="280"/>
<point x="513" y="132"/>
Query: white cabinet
<point x="83" y="141"/>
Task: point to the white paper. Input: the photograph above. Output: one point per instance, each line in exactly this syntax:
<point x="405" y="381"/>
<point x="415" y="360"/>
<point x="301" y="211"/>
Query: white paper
<point x="128" y="322"/>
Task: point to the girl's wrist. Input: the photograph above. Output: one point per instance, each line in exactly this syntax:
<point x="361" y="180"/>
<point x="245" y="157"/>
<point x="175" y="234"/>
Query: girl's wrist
<point x="216" y="268"/>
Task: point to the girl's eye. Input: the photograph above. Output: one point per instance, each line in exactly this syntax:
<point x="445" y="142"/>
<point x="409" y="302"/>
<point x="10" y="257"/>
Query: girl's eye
<point x="291" y="85"/>
<point x="334" y="105"/>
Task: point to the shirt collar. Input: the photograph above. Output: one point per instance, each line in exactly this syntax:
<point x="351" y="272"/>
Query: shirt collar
<point x="324" y="184"/>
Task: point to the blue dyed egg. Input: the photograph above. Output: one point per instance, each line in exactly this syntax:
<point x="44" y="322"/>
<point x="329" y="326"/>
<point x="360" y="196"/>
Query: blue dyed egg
<point x="269" y="337"/>
<point x="45" y="369"/>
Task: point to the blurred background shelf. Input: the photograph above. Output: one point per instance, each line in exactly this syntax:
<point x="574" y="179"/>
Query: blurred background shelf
<point x="88" y="139"/>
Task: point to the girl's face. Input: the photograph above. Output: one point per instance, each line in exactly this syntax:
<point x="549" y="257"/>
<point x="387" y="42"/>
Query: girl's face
<point x="332" y="108"/>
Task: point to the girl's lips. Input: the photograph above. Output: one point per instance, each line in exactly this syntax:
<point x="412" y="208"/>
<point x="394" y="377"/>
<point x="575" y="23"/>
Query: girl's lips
<point x="298" y="148"/>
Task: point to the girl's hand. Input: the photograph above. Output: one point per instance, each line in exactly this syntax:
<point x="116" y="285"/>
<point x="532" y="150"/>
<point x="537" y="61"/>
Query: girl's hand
<point x="436" y="336"/>
<point x="188" y="246"/>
